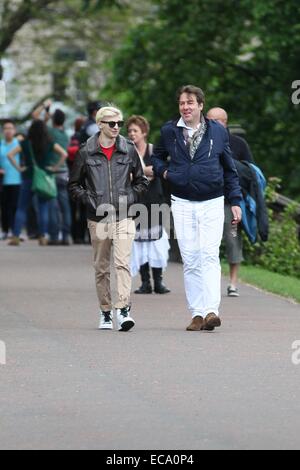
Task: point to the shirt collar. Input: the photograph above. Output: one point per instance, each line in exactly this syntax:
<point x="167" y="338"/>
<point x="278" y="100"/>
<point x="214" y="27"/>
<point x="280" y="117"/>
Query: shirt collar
<point x="190" y="130"/>
<point x="181" y="123"/>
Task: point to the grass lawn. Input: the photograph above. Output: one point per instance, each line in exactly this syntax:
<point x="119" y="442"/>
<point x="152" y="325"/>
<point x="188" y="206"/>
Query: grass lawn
<point x="285" y="286"/>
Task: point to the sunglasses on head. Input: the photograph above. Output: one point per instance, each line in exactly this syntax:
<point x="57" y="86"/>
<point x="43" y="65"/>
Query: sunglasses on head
<point x="113" y="124"/>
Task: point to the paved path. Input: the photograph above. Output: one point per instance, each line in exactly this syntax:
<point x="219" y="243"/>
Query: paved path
<point x="68" y="386"/>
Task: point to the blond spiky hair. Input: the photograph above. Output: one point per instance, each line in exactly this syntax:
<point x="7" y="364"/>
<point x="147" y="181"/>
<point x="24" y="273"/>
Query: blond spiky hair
<point x="108" y="111"/>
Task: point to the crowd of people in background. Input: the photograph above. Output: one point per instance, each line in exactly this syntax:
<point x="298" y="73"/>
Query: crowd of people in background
<point x="24" y="213"/>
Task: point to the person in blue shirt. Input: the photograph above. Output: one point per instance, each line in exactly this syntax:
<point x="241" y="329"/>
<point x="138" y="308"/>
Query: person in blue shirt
<point x="11" y="178"/>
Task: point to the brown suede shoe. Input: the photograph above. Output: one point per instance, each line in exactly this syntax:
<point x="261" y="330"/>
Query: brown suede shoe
<point x="196" y="325"/>
<point x="15" y="241"/>
<point x="43" y="241"/>
<point x="211" y="322"/>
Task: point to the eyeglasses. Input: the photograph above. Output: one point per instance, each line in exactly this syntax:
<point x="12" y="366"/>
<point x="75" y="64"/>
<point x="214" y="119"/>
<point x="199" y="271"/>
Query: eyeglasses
<point x="113" y="124"/>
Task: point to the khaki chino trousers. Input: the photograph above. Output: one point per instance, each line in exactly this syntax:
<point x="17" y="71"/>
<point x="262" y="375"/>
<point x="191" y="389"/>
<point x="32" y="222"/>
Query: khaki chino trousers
<point x="118" y="238"/>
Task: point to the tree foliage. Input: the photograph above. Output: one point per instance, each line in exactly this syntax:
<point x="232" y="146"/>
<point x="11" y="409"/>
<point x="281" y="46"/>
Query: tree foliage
<point x="244" y="54"/>
<point x="57" y="47"/>
<point x="15" y="14"/>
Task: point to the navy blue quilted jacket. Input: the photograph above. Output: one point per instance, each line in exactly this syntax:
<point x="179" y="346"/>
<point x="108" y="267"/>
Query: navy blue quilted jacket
<point x="211" y="174"/>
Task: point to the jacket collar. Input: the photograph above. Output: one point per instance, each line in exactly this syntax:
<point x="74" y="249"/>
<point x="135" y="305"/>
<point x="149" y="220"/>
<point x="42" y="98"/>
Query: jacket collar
<point x="180" y="137"/>
<point x="93" y="146"/>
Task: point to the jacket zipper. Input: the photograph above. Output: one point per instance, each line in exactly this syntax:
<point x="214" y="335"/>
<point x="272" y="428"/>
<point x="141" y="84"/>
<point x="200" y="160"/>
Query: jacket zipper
<point x="110" y="183"/>
<point x="113" y="219"/>
<point x="210" y="148"/>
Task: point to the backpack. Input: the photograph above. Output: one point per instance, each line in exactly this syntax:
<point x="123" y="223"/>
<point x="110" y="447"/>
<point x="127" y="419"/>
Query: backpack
<point x="253" y="205"/>
<point x="261" y="179"/>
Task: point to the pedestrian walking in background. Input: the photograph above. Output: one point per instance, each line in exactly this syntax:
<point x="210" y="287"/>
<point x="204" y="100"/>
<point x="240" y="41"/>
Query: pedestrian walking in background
<point x="11" y="181"/>
<point x="59" y="208"/>
<point x="151" y="246"/>
<point x="233" y="244"/>
<point x="37" y="149"/>
<point x="78" y="210"/>
<point x="108" y="172"/>
<point x="31" y="226"/>
<point x="90" y="127"/>
<point x="1" y="194"/>
<point x="200" y="171"/>
<point x="74" y="142"/>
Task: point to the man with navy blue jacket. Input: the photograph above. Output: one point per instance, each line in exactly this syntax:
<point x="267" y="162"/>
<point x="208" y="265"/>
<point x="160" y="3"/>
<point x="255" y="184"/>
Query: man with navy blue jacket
<point x="194" y="156"/>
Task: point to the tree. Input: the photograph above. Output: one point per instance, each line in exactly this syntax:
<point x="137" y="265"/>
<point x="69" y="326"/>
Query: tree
<point x="245" y="55"/>
<point x="15" y="14"/>
<point x="51" y="53"/>
<point x="13" y="19"/>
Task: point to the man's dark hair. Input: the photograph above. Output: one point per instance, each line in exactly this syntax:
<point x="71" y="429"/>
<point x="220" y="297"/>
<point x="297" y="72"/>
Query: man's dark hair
<point x="94" y="106"/>
<point x="8" y="121"/>
<point x="192" y="90"/>
<point x="58" y="118"/>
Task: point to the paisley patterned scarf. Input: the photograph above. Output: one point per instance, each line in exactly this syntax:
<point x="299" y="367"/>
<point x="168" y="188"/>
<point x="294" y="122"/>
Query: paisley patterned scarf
<point x="194" y="142"/>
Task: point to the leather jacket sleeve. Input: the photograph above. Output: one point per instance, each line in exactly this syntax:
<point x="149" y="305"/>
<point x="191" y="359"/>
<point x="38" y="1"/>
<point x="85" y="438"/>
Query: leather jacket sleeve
<point x="76" y="184"/>
<point x="139" y="181"/>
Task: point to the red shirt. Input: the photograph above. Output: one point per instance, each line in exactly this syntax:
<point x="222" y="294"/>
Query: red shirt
<point x="108" y="152"/>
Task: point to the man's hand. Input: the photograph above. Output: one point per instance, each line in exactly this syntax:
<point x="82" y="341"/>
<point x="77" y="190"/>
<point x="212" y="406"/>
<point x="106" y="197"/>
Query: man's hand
<point x="237" y="215"/>
<point x="149" y="172"/>
<point x="165" y="174"/>
<point x="47" y="104"/>
<point x="43" y="107"/>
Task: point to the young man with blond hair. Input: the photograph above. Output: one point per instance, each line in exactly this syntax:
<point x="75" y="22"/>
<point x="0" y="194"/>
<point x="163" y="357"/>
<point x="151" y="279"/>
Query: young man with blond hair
<point x="107" y="176"/>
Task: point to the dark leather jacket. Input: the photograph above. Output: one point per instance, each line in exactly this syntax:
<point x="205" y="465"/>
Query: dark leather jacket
<point x="97" y="182"/>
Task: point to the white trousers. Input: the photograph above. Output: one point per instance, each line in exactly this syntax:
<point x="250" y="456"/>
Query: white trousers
<point x="199" y="230"/>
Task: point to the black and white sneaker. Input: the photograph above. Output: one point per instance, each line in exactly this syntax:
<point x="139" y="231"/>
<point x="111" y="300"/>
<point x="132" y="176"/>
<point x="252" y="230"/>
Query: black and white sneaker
<point x="232" y="292"/>
<point x="106" y="321"/>
<point x="125" y="322"/>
